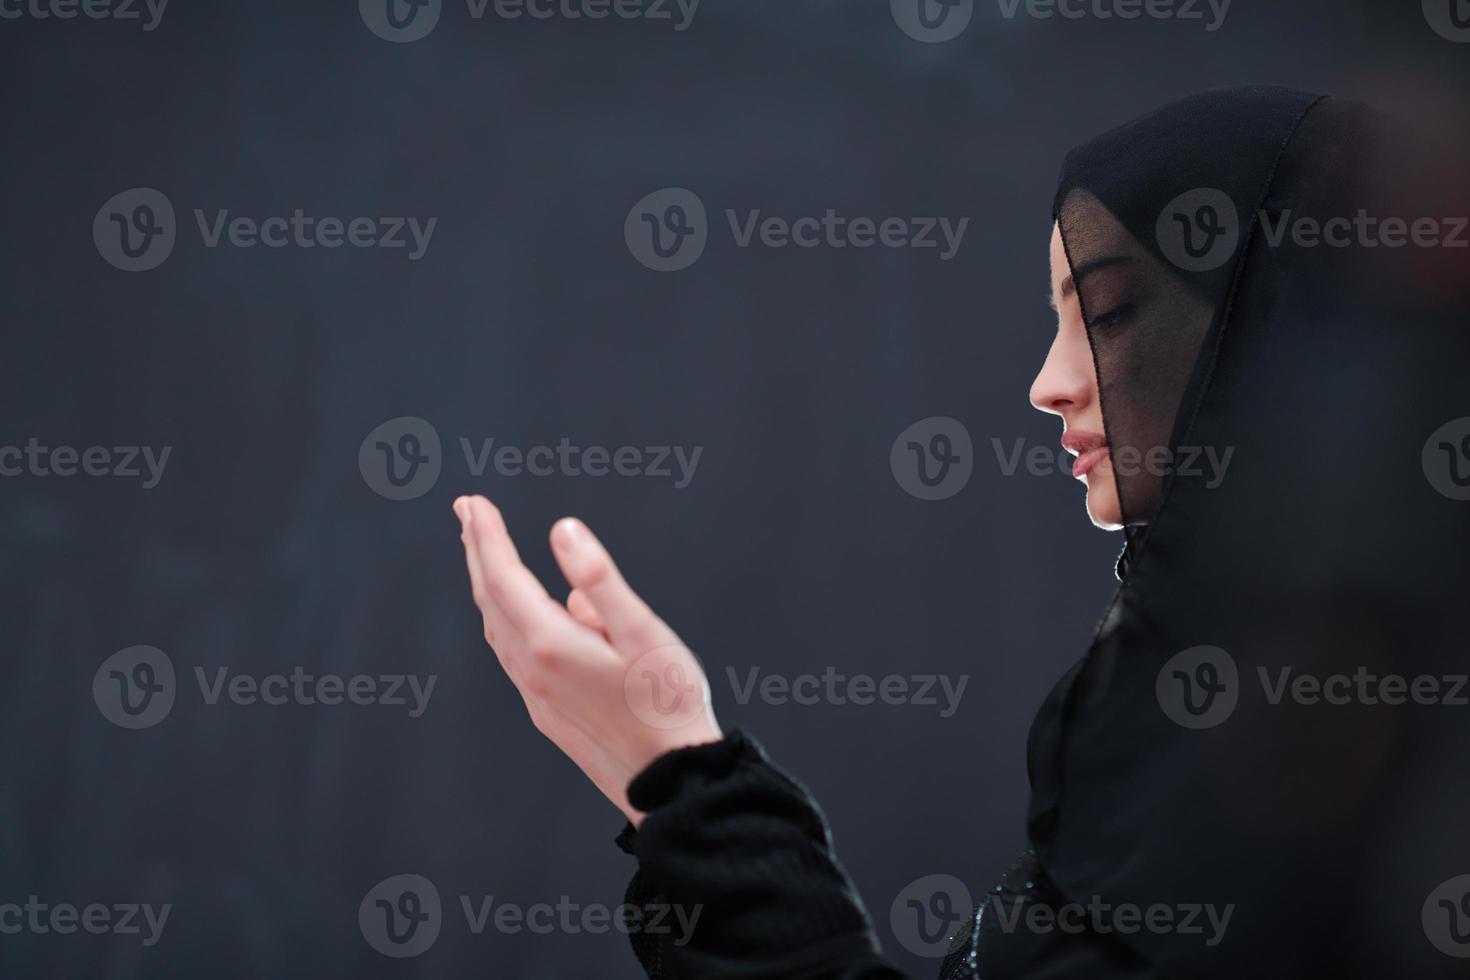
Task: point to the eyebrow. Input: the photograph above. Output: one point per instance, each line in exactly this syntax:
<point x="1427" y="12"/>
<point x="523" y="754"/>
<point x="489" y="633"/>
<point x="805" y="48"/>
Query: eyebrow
<point x="1069" y="284"/>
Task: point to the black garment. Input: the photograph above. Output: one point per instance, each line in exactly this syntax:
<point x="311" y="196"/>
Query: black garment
<point x="1181" y="763"/>
<point x="732" y="836"/>
<point x="1233" y="736"/>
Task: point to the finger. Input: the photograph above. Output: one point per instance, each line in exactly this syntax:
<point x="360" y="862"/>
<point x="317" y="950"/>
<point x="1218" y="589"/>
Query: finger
<point x="630" y="624"/>
<point x="511" y="588"/>
<point x="584" y="612"/>
<point x="497" y="631"/>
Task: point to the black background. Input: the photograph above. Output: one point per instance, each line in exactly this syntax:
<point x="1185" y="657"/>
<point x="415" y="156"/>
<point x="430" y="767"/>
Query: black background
<point x="793" y="549"/>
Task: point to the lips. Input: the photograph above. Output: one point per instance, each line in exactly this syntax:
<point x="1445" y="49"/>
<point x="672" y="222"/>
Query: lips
<point x="1089" y="448"/>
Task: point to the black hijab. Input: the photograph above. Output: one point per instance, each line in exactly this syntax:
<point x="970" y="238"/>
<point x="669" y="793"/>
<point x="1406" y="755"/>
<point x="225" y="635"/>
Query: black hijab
<point x="1171" y="766"/>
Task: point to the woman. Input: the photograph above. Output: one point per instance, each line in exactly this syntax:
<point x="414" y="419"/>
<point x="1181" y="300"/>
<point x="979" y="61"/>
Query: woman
<point x="1197" y="809"/>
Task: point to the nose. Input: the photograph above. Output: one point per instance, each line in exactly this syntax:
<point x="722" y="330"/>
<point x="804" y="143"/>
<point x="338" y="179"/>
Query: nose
<point x="1065" y="384"/>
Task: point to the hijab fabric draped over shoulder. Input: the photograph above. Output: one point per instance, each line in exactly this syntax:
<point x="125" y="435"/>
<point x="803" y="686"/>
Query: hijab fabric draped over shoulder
<point x="1271" y="725"/>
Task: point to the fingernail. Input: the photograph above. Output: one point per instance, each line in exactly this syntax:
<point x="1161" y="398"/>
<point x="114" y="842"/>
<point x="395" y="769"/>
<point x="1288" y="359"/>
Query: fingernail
<point x="570" y="533"/>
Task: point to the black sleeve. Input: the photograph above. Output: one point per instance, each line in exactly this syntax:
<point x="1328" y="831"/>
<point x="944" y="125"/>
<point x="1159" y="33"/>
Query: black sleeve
<point x="737" y="878"/>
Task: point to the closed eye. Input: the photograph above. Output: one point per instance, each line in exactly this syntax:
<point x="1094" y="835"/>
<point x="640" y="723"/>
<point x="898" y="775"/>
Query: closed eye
<point x="1114" y="319"/>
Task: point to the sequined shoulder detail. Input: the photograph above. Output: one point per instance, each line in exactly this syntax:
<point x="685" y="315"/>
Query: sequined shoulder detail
<point x="961" y="962"/>
<point x="1023" y="882"/>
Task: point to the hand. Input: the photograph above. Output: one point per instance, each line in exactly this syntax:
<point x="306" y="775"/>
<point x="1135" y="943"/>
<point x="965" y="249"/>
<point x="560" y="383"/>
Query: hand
<point x="603" y="677"/>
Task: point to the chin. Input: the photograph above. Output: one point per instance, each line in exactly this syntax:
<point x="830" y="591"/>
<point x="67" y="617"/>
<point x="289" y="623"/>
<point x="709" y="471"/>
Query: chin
<point x="1104" y="510"/>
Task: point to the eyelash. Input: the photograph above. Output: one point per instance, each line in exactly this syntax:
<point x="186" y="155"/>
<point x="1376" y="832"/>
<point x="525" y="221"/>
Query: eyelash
<point x="1113" y="318"/>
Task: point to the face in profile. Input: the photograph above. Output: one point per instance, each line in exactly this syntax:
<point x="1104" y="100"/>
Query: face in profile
<point x="1067" y="387"/>
<point x="1126" y="317"/>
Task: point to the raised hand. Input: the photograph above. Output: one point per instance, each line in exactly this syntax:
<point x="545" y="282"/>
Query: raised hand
<point x="603" y="677"/>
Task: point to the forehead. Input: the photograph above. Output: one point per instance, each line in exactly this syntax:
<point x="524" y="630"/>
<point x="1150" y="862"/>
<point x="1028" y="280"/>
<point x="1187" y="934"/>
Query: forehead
<point x="1058" y="252"/>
